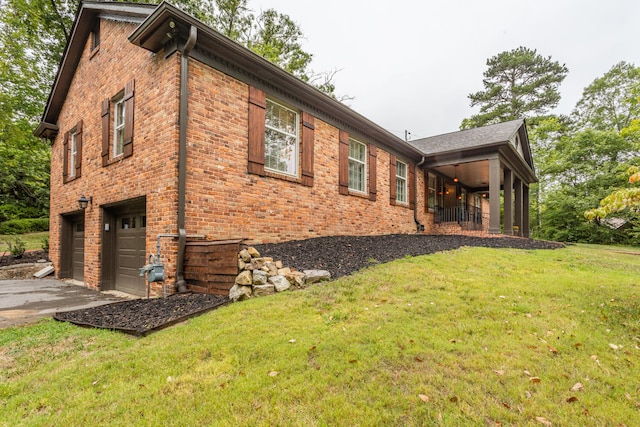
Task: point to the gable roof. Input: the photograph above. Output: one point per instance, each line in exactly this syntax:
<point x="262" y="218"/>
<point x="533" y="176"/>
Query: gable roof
<point x="86" y="16"/>
<point x="471" y="138"/>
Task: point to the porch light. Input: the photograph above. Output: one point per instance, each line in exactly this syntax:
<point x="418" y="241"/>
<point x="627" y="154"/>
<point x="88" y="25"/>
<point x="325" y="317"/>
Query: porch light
<point x="455" y="173"/>
<point x="83" y="202"/>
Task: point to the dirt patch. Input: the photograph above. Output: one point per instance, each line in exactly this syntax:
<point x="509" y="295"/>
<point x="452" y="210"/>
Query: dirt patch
<point x="343" y="255"/>
<point x="142" y="316"/>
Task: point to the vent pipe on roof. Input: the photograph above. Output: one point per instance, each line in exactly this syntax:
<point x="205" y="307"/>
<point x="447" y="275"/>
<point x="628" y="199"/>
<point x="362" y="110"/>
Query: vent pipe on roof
<point x="181" y="284"/>
<point x="419" y="225"/>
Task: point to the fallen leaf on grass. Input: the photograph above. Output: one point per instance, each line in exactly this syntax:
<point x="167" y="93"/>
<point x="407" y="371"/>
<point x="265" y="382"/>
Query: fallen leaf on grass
<point x="417" y="359"/>
<point x="572" y="399"/>
<point x="528" y="315"/>
<point x="499" y="372"/>
<point x="292" y="341"/>
<point x="543" y="421"/>
<point x="527" y="373"/>
<point x="273" y="373"/>
<point x="313" y="347"/>
<point x="423" y="397"/>
<point x="534" y="380"/>
<point x="453" y="399"/>
<point x="353" y="361"/>
<point x="553" y="350"/>
<point x="506" y="405"/>
<point x="613" y="346"/>
<point x="577" y="387"/>
<point x="578" y="344"/>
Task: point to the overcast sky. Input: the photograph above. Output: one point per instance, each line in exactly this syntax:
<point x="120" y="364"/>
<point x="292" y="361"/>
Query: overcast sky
<point x="411" y="64"/>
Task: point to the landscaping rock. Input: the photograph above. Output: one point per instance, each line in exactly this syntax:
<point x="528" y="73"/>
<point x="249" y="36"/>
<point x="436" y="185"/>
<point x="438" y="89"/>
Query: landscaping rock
<point x="244" y="278"/>
<point x="315" y="276"/>
<point x="260" y="277"/>
<point x="240" y="293"/>
<point x="263" y="290"/>
<point x="284" y="271"/>
<point x="253" y="252"/>
<point x="273" y="269"/>
<point x="280" y="282"/>
<point x="257" y="263"/>
<point x="241" y="264"/>
<point x="297" y="279"/>
<point x="245" y="255"/>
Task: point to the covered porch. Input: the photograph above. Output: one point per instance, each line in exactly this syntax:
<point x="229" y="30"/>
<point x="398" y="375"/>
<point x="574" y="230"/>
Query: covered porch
<point x="480" y="178"/>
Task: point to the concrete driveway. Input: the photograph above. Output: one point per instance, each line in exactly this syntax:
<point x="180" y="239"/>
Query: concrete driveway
<point x="26" y="301"/>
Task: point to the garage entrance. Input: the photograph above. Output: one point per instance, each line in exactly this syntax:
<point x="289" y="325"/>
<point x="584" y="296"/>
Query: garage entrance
<point x="72" y="247"/>
<point x="124" y="247"/>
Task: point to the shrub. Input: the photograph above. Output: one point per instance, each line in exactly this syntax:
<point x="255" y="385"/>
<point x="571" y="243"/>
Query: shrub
<point x="17" y="248"/>
<point x="45" y="244"/>
<point x="10" y="211"/>
<point x="22" y="226"/>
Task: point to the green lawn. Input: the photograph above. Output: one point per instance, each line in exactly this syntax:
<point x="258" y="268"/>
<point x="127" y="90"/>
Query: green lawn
<point x="33" y="241"/>
<point x="470" y="337"/>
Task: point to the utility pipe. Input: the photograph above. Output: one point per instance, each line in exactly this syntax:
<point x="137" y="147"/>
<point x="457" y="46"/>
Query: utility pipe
<point x="181" y="284"/>
<point x="419" y="225"/>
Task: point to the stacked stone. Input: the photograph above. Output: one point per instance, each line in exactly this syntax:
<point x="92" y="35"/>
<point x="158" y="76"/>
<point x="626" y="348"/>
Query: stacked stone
<point x="260" y="276"/>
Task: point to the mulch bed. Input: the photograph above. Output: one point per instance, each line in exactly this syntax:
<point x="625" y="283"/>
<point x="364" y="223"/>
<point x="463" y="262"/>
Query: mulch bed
<point x="343" y="255"/>
<point x="27" y="258"/>
<point x="340" y="255"/>
<point x="141" y="316"/>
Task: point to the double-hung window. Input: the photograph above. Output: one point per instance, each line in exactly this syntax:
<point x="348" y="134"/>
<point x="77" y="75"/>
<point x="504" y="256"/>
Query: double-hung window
<point x="73" y="154"/>
<point x="431" y="192"/>
<point x="401" y="182"/>
<point x="357" y="166"/>
<point x="118" y="126"/>
<point x="281" y="139"/>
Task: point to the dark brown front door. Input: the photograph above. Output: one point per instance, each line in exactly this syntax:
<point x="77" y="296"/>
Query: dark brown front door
<point x="130" y="255"/>
<point x="77" y="251"/>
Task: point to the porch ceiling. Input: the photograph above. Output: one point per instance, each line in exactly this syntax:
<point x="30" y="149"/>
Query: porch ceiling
<point x="471" y="174"/>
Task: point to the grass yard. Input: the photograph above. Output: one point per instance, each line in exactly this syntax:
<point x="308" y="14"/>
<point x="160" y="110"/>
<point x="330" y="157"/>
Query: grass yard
<point x="470" y="337"/>
<point x="33" y="241"/>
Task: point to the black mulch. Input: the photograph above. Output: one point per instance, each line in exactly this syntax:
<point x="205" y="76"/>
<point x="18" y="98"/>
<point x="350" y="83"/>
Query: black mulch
<point x="340" y="255"/>
<point x="141" y="316"/>
<point x="29" y="257"/>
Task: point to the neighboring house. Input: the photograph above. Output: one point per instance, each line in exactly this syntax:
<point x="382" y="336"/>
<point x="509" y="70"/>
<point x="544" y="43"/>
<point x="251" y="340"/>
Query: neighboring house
<point x="168" y="131"/>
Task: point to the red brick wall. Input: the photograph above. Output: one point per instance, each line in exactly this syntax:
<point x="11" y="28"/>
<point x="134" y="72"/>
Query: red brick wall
<point x="225" y="201"/>
<point x="150" y="172"/>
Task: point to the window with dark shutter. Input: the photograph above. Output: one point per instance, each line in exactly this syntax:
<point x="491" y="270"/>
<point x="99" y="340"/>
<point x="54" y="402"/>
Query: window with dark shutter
<point x="392" y="179"/>
<point x="128" y="119"/>
<point x="257" y="117"/>
<point x="78" y="149"/>
<point x="65" y="157"/>
<point x="308" y="128"/>
<point x="106" y="122"/>
<point x="343" y="162"/>
<point x="373" y="155"/>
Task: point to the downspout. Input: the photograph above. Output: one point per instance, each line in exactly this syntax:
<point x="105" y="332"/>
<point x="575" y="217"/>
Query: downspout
<point x="419" y="225"/>
<point x="181" y="284"/>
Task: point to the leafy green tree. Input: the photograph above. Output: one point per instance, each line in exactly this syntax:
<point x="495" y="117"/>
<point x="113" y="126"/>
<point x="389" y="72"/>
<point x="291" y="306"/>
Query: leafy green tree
<point x="518" y="83"/>
<point x="612" y="101"/>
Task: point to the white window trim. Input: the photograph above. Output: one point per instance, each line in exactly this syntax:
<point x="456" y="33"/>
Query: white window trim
<point x="404" y="179"/>
<point x="73" y="153"/>
<point x="118" y="127"/>
<point x="296" y="153"/>
<point x="364" y="163"/>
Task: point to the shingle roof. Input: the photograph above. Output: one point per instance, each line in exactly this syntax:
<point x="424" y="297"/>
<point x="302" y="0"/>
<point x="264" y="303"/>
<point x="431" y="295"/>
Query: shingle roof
<point x="471" y="138"/>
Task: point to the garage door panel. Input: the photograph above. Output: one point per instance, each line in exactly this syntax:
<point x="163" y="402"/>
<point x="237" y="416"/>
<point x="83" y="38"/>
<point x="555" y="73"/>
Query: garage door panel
<point x="130" y="253"/>
<point x="77" y="251"/>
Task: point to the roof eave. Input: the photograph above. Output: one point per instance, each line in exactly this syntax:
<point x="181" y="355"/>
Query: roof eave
<point x="83" y="23"/>
<point x="151" y="35"/>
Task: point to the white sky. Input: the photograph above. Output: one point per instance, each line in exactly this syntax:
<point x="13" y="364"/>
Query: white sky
<point x="410" y="64"/>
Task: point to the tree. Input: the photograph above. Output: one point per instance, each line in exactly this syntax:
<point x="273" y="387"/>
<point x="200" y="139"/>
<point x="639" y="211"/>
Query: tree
<point x="518" y="83"/>
<point x="610" y="102"/>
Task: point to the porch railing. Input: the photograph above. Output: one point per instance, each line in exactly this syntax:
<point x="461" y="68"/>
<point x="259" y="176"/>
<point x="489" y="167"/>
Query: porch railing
<point x="469" y="217"/>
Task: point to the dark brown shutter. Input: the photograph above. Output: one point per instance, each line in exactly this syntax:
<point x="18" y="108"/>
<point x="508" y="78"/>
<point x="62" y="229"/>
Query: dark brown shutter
<point x="127" y="149"/>
<point x="426" y="190"/>
<point x="257" y="117"/>
<point x="79" y="149"/>
<point x="392" y="179"/>
<point x="106" y="122"/>
<point x="65" y="161"/>
<point x="373" y="187"/>
<point x="308" y="128"/>
<point x="412" y="186"/>
<point x="343" y="162"/>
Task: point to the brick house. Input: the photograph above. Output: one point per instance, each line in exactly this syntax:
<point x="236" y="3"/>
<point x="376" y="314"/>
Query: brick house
<point x="168" y="131"/>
